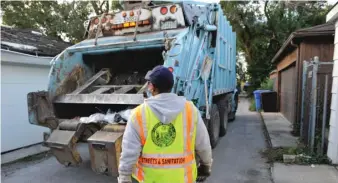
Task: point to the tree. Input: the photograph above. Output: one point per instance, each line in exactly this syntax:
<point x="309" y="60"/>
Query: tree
<point x="64" y="21"/>
<point x="263" y="26"/>
<point x="241" y="74"/>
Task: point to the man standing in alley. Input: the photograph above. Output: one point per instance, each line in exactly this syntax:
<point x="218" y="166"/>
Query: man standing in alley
<point x="162" y="136"/>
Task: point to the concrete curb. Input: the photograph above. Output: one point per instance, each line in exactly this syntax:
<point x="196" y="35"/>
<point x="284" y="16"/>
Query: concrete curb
<point x="266" y="132"/>
<point x="269" y="143"/>
<point x="23" y="153"/>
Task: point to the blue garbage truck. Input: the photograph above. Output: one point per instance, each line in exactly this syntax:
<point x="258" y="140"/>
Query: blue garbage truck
<point x="95" y="84"/>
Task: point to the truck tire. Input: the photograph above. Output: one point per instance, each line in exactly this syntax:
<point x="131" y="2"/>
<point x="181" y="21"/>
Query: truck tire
<point x="214" y="125"/>
<point x="223" y="105"/>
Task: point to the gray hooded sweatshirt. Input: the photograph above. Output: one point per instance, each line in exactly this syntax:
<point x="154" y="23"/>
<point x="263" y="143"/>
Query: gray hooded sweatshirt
<point x="166" y="107"/>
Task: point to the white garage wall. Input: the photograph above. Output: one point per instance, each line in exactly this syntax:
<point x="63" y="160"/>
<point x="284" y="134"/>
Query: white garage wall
<point x="333" y="135"/>
<point x="332" y="151"/>
<point x="16" y="81"/>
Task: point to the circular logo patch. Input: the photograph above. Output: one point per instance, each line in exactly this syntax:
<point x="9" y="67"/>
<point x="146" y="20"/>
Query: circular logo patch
<point x="163" y="135"/>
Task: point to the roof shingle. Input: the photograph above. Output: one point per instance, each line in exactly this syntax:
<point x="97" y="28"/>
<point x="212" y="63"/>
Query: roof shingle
<point x="30" y="42"/>
<point x="318" y="30"/>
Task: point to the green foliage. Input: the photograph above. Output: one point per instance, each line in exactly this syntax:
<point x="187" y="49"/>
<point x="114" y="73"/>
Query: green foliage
<point x="252" y="106"/>
<point x="261" y="34"/>
<point x="64" y="21"/>
<point x="240" y="72"/>
<point x="267" y="85"/>
<point x="304" y="157"/>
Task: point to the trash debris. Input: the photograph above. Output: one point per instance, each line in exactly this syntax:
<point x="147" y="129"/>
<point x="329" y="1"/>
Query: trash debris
<point x="96" y="117"/>
<point x="110" y="117"/>
<point x="289" y="158"/>
<point x="84" y="119"/>
<point x="126" y="114"/>
<point x="118" y="118"/>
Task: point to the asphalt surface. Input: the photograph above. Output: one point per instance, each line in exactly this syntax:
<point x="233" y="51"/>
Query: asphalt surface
<point x="237" y="159"/>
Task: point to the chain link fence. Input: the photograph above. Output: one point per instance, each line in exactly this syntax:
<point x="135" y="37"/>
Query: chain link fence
<point x="316" y="101"/>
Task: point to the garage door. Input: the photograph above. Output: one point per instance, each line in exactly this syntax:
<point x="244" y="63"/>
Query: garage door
<point x="16" y="81"/>
<point x="288" y="93"/>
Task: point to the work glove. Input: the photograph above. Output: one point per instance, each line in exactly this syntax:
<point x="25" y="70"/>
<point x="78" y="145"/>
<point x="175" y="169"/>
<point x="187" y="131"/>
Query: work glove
<point x="124" y="179"/>
<point x="203" y="172"/>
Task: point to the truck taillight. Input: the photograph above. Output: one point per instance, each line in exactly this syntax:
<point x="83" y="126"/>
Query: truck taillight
<point x="173" y="9"/>
<point x="164" y="10"/>
<point x="126" y="25"/>
<point x="132" y="24"/>
<point x="145" y="22"/>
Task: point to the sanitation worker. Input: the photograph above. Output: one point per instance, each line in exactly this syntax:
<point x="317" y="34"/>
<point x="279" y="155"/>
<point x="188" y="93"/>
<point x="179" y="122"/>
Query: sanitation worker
<point x="163" y="136"/>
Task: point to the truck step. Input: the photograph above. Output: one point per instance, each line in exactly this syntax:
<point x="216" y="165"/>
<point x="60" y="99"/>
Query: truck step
<point x="62" y="142"/>
<point x="105" y="149"/>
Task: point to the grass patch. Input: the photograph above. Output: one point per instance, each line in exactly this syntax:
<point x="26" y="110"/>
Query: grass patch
<point x="304" y="157"/>
<point x="252" y="106"/>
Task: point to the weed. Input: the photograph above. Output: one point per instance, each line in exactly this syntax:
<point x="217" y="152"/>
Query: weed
<point x="252" y="106"/>
<point x="304" y="157"/>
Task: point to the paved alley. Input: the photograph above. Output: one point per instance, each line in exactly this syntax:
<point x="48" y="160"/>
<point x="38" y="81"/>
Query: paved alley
<point x="237" y="159"/>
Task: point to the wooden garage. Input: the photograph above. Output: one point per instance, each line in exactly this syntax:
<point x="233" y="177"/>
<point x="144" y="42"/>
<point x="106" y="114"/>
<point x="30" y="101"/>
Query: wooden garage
<point x="302" y="45"/>
<point x="288" y="92"/>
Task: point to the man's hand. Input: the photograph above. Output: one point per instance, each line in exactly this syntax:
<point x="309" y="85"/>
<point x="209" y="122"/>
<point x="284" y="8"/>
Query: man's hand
<point x="124" y="179"/>
<point x="204" y="170"/>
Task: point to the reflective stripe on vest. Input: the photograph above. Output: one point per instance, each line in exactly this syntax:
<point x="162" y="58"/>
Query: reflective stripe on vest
<point x="183" y="159"/>
<point x="188" y="129"/>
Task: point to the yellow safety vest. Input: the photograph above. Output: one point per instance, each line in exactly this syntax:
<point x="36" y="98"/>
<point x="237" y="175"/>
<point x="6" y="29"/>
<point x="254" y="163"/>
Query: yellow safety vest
<point x="168" y="154"/>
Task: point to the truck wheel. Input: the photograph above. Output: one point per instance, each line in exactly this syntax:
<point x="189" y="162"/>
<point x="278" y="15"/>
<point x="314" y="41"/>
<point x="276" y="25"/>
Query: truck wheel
<point x="222" y="105"/>
<point x="214" y="125"/>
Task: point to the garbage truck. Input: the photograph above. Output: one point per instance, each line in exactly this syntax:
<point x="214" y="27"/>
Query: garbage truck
<point x="95" y="84"/>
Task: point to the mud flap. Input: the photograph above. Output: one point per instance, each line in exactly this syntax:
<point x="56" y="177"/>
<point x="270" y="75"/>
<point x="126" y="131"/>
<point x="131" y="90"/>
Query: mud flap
<point x="105" y="149"/>
<point x="62" y="143"/>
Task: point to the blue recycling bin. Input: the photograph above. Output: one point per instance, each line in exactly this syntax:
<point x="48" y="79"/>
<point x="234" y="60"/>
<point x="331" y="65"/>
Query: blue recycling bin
<point x="257" y="95"/>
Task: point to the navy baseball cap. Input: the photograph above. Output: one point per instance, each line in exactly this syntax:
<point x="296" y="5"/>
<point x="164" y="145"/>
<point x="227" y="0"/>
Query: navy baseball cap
<point x="161" y="77"/>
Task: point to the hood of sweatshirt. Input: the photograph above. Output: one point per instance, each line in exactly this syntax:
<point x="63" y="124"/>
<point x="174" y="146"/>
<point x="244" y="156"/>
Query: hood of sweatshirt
<point x="166" y="106"/>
